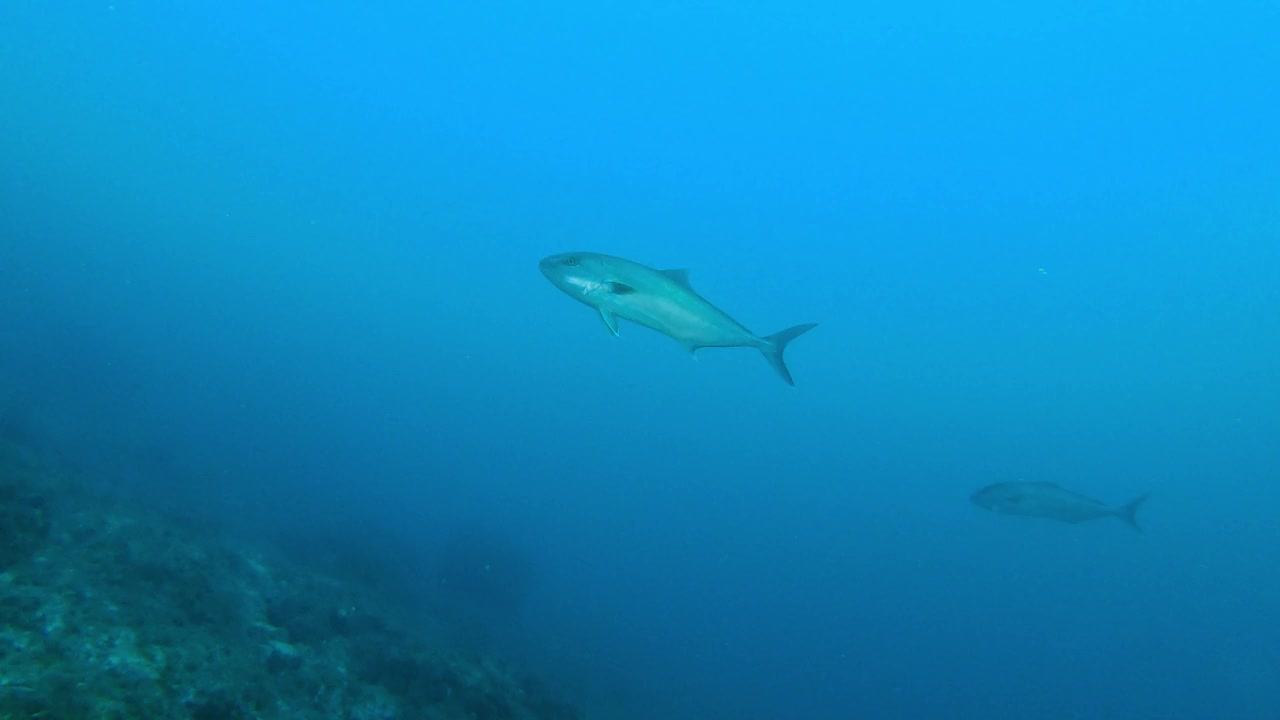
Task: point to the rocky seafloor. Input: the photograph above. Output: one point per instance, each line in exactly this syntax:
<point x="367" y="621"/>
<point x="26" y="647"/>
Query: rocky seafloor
<point x="111" y="612"/>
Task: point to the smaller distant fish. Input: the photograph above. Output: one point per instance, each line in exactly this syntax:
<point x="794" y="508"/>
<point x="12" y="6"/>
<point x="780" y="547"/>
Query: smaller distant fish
<point x="1050" y="500"/>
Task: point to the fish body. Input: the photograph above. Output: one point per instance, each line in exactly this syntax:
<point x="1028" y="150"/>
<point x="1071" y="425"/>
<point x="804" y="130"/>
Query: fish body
<point x="662" y="300"/>
<point x="1052" y="501"/>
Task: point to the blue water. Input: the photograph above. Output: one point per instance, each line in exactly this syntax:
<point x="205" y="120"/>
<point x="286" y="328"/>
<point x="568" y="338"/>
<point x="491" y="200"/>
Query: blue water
<point x="276" y="264"/>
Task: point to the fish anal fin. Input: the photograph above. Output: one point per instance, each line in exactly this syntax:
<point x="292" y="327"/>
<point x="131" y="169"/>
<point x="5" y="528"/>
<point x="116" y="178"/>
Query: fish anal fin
<point x="610" y="321"/>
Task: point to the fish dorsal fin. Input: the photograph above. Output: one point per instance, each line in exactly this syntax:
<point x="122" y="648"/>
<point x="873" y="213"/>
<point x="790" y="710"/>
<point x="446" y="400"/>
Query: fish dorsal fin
<point x="679" y="276"/>
<point x="610" y="321"/>
<point x="1045" y="483"/>
<point x="618" y="288"/>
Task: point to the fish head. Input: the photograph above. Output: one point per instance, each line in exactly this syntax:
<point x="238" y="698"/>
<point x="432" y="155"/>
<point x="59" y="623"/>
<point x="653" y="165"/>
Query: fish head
<point x="578" y="274"/>
<point x="997" y="498"/>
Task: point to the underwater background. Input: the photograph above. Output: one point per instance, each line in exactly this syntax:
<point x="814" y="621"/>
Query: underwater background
<point x="270" y="270"/>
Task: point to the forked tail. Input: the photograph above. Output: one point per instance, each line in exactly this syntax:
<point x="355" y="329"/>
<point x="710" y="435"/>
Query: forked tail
<point x="773" y="345"/>
<point x="1129" y="512"/>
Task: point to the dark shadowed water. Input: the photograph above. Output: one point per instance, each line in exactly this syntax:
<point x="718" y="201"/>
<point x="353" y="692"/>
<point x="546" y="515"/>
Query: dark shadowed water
<point x="275" y="265"/>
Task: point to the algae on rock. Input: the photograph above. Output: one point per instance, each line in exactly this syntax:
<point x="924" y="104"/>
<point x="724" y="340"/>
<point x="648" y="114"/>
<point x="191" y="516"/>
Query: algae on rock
<point x="108" y="614"/>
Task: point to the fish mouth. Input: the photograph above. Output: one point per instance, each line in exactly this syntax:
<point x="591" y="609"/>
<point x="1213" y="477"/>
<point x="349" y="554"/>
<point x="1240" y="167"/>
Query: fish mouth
<point x="547" y="264"/>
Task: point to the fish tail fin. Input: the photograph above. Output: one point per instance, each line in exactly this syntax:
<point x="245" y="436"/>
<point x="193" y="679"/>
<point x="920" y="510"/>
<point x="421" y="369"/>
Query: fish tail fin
<point x="771" y="346"/>
<point x="1129" y="511"/>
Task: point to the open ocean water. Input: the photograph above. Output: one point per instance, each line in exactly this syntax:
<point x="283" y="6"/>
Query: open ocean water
<point x="271" y="270"/>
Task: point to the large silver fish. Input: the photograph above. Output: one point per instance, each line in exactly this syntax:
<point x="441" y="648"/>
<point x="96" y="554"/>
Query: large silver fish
<point x="1049" y="500"/>
<point x="659" y="299"/>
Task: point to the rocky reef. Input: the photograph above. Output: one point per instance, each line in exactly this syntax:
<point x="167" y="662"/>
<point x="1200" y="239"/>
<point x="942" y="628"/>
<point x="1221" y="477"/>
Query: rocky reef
<point x="110" y="612"/>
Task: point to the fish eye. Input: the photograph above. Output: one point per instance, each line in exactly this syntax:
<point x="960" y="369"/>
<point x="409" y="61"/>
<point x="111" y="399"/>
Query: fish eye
<point x="570" y="261"/>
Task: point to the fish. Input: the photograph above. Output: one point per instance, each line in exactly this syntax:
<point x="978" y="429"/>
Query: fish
<point x="662" y="300"/>
<point x="1052" y="501"/>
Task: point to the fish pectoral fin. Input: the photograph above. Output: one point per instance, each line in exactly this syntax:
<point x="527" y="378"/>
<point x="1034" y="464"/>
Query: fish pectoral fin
<point x="610" y="321"/>
<point x="618" y="288"/>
